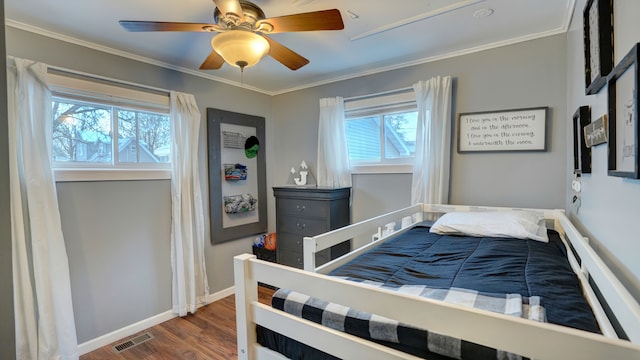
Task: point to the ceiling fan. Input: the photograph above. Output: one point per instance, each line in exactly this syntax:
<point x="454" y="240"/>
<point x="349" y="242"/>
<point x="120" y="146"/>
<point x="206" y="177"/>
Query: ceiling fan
<point x="242" y="27"/>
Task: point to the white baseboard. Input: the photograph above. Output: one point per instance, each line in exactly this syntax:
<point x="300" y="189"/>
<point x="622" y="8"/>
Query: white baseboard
<point x="221" y="294"/>
<point x="106" y="339"/>
<point x="129" y="330"/>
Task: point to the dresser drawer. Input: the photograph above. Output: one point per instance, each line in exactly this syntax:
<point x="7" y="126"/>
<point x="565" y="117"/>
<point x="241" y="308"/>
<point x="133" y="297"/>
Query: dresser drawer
<point x="302" y="226"/>
<point x="295" y="259"/>
<point x="290" y="258"/>
<point x="296" y="243"/>
<point x="290" y="242"/>
<point x="302" y="207"/>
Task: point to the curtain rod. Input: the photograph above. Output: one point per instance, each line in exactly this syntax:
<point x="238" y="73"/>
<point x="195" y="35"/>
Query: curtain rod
<point x="107" y="79"/>
<point x="388" y="92"/>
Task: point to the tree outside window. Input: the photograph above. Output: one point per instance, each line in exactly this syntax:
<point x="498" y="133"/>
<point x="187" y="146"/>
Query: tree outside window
<point x="85" y="133"/>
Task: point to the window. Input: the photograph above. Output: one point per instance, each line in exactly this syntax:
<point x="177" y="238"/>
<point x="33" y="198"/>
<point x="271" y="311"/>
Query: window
<point x="106" y="132"/>
<point x="382" y="138"/>
<point x="85" y="133"/>
<point x="381" y="132"/>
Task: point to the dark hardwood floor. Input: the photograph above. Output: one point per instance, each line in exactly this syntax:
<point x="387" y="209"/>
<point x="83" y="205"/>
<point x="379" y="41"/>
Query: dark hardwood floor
<point x="208" y="334"/>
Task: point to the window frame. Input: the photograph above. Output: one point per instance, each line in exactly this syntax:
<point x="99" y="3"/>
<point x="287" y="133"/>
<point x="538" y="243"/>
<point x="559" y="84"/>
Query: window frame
<point x="125" y="96"/>
<point x="401" y="100"/>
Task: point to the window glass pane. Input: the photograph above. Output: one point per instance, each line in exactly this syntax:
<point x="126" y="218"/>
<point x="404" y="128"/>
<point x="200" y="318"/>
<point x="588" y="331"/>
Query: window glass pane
<point x="143" y="137"/>
<point x="81" y="132"/>
<point x="400" y="134"/>
<point x="363" y="138"/>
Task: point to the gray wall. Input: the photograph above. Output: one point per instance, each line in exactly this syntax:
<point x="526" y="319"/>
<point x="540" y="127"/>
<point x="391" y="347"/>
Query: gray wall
<point x="116" y="238"/>
<point x="369" y="200"/>
<point x="7" y="332"/>
<point x="118" y="232"/>
<point x="610" y="206"/>
<point x="528" y="74"/>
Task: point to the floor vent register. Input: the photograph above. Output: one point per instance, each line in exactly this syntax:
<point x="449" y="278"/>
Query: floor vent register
<point x="128" y="344"/>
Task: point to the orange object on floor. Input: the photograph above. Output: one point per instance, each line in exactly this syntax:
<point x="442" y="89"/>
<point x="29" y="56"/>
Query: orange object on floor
<point x="270" y="241"/>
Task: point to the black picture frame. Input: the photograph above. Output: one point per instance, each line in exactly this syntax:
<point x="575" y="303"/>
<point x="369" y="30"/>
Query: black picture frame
<point x="623" y="99"/>
<point x="581" y="153"/>
<point x="230" y="226"/>
<point x="598" y="44"/>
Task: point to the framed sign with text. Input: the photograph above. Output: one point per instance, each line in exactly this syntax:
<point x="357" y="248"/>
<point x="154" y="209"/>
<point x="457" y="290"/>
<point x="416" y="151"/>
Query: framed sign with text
<point x="595" y="133"/>
<point x="505" y="130"/>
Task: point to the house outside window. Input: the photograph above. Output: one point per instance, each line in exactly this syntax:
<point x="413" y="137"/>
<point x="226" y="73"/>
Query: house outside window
<point x="384" y="138"/>
<point x="106" y="132"/>
<point x="381" y="132"/>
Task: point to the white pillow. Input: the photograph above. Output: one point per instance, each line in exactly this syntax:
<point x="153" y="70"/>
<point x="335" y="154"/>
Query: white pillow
<point x="507" y="224"/>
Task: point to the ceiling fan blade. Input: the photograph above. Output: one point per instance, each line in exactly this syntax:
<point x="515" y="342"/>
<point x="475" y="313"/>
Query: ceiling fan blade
<point x="229" y="7"/>
<point x="311" y="21"/>
<point x="213" y="62"/>
<point x="286" y="56"/>
<point x="130" y="25"/>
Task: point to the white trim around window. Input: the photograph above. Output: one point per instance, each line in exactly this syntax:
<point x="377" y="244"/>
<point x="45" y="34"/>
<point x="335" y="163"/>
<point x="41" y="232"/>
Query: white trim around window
<point x="382" y="169"/>
<point x="151" y="100"/>
<point x="66" y="175"/>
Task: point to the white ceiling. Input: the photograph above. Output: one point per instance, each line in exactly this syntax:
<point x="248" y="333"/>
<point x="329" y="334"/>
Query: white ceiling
<point x="385" y="35"/>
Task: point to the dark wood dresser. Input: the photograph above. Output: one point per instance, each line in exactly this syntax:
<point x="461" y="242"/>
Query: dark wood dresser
<point x="308" y="211"/>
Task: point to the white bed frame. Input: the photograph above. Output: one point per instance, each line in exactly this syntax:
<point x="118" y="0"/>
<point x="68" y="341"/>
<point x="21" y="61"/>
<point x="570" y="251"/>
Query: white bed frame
<point x="528" y="338"/>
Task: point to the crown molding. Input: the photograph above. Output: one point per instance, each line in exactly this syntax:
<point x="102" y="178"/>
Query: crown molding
<point x="377" y="70"/>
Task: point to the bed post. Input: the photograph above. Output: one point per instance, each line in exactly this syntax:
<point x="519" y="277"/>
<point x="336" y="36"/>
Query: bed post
<point x="246" y="289"/>
<point x="309" y="257"/>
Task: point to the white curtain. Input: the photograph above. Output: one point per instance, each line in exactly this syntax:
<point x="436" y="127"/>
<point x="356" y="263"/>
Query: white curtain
<point x="430" y="182"/>
<point x="190" y="285"/>
<point x="333" y="155"/>
<point x="44" y="322"/>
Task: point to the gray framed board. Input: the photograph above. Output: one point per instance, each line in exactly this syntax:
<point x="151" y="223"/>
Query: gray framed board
<point x="504" y="130"/>
<point x="237" y="199"/>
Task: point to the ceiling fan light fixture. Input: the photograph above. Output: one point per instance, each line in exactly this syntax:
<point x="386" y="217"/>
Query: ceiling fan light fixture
<point x="240" y="48"/>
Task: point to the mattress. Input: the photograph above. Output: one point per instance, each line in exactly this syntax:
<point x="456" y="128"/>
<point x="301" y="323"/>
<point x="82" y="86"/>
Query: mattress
<point x="496" y="267"/>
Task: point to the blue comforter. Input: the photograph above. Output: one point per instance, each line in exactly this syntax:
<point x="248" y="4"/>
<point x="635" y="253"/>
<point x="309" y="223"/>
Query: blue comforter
<point x="491" y="265"/>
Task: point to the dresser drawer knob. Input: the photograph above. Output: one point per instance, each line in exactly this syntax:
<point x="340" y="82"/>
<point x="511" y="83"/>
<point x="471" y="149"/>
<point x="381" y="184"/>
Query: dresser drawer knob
<point x="301" y="226"/>
<point x="300" y="208"/>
